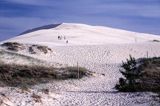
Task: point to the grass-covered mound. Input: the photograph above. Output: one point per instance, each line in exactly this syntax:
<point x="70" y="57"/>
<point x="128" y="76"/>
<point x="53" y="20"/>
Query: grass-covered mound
<point x="17" y="75"/>
<point x="140" y="75"/>
<point x="31" y="49"/>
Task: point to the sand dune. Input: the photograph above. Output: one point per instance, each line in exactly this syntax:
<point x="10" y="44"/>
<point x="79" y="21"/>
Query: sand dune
<point x="101" y="50"/>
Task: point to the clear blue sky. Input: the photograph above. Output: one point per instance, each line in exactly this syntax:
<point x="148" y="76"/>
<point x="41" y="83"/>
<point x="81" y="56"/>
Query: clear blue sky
<point x="17" y="16"/>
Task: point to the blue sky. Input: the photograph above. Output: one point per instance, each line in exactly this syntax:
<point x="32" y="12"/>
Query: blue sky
<point x="17" y="16"/>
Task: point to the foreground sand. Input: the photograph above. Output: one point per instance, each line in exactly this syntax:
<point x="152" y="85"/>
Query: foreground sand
<point x="97" y="90"/>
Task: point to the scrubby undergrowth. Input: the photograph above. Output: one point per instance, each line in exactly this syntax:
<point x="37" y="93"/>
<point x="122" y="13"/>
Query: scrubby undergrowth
<point x="19" y="75"/>
<point x="31" y="49"/>
<point x="140" y="75"/>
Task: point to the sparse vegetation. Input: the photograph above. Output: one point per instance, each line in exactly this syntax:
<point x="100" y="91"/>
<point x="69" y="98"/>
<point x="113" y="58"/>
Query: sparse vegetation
<point x="24" y="88"/>
<point x="44" y="49"/>
<point x="155" y="40"/>
<point x="45" y="91"/>
<point x="140" y="75"/>
<point x="13" y="46"/>
<point x="36" y="97"/>
<point x="72" y="72"/>
<point x="32" y="49"/>
<point x="18" y="75"/>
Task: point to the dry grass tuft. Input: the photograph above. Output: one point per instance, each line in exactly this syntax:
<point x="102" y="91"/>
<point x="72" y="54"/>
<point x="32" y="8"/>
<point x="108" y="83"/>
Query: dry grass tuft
<point x="36" y="98"/>
<point x="20" y="75"/>
<point x="13" y="46"/>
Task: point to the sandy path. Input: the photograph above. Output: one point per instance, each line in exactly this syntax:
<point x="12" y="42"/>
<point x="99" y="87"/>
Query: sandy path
<point x="92" y="91"/>
<point x="98" y="90"/>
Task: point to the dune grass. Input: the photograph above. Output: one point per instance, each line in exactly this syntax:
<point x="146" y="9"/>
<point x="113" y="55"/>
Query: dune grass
<point x="19" y="75"/>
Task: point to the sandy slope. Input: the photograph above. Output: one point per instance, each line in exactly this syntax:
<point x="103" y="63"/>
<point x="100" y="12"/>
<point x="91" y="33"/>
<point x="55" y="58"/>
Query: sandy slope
<point x="81" y="34"/>
<point x="99" y="54"/>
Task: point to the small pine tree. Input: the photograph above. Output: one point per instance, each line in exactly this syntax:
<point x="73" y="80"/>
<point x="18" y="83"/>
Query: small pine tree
<point x="131" y="73"/>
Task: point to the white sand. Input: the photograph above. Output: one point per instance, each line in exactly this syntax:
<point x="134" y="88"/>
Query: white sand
<point x="99" y="49"/>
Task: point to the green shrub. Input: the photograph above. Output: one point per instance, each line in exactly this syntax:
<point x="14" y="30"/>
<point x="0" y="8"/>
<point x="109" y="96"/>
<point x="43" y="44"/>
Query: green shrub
<point x="131" y="74"/>
<point x="140" y="75"/>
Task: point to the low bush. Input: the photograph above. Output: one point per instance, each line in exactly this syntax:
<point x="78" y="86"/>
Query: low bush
<point x="17" y="75"/>
<point x="36" y="97"/>
<point x="74" y="72"/>
<point x="140" y="75"/>
<point x="13" y="46"/>
<point x="155" y="40"/>
<point x="32" y="49"/>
